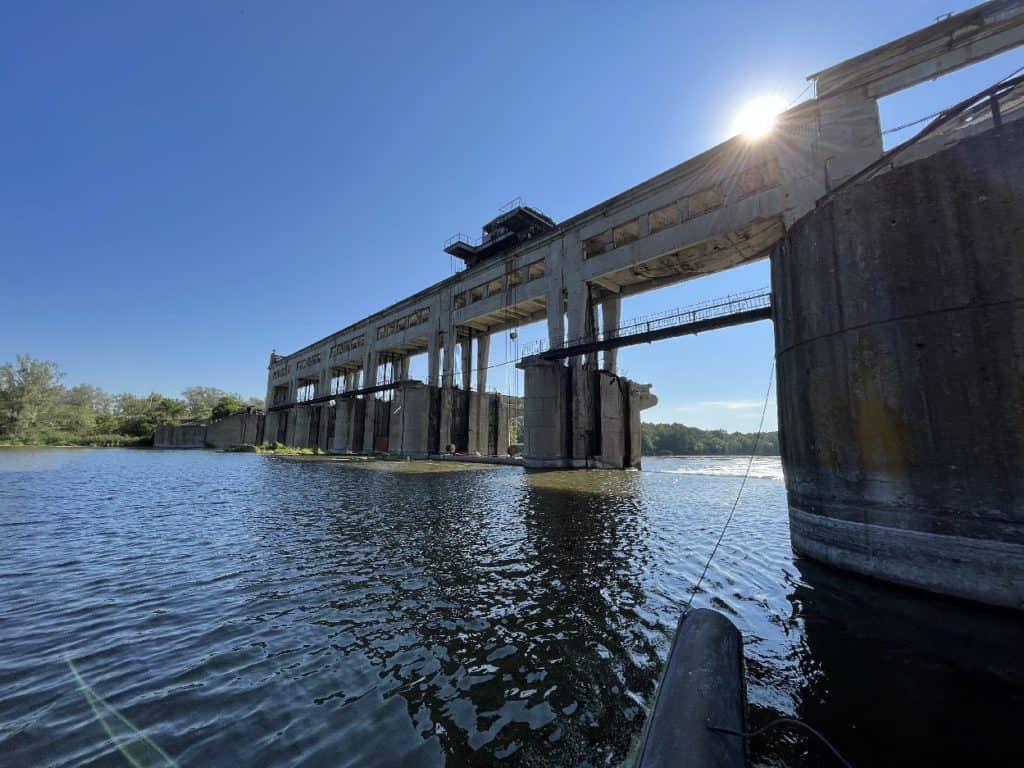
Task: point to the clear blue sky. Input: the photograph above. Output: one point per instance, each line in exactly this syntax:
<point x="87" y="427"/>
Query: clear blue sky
<point x="184" y="186"/>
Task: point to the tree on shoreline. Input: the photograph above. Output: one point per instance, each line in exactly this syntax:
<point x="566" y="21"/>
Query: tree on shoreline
<point x="37" y="409"/>
<point x="681" y="440"/>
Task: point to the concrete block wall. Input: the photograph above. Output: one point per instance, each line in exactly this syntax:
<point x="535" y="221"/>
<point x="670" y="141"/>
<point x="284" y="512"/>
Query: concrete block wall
<point x="180" y="436"/>
<point x="238" y="429"/>
<point x="410" y="420"/>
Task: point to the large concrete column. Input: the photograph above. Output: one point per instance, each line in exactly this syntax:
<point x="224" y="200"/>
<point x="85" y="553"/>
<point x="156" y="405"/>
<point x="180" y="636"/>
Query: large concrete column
<point x="556" y="317"/>
<point x="403" y="369"/>
<point x="546" y="439"/>
<point x="466" y="360"/>
<point x="410" y="419"/>
<point x="369" y="380"/>
<point x="433" y="359"/>
<point x="270" y="426"/>
<point x="850" y="136"/>
<point x="899" y="309"/>
<point x="447" y="383"/>
<point x="581" y="326"/>
<point x="611" y="318"/>
<point x="289" y="414"/>
<point x="483" y="352"/>
<point x="343" y="425"/>
<point x="301" y="431"/>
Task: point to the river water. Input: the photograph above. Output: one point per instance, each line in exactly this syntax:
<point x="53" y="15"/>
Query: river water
<point x="250" y="610"/>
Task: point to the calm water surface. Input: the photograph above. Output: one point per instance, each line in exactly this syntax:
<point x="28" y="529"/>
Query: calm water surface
<point x="251" y="610"/>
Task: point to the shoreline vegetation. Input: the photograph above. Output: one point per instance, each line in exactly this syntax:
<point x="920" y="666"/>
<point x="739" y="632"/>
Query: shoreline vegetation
<point x="38" y="410"/>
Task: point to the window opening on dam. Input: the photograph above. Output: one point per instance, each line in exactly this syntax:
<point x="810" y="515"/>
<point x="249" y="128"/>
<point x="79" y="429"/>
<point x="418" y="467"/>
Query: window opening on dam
<point x="280" y="394"/>
<point x="903" y="113"/>
<point x="388" y="367"/>
<point x="306" y="390"/>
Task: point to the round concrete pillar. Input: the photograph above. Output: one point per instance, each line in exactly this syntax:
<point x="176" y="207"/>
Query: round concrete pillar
<point x="899" y="321"/>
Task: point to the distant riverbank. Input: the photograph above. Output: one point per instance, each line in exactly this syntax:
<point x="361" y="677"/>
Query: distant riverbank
<point x="681" y="440"/>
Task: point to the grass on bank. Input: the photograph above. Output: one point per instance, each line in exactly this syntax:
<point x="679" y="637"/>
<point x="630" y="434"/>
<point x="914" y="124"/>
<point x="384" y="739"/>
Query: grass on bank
<point x="277" y="449"/>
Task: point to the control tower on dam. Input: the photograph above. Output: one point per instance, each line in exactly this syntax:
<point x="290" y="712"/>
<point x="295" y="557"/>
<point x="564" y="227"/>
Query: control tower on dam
<point x="897" y="292"/>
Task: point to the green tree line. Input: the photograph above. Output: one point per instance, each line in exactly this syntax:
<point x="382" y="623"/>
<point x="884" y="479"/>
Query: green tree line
<point x="36" y="408"/>
<point x="681" y="440"/>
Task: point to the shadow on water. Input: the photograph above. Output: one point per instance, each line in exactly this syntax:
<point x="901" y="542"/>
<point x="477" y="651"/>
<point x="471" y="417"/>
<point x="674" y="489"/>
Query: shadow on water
<point x="899" y="677"/>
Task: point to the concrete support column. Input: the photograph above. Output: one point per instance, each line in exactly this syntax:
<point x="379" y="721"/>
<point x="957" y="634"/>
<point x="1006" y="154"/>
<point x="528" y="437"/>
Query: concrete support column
<point x="483" y="351"/>
<point x="581" y="326"/>
<point x="546" y="440"/>
<point x="556" y="317"/>
<point x="403" y="369"/>
<point x="301" y="427"/>
<point x="433" y="359"/>
<point x="850" y="136"/>
<point x="611" y="317"/>
<point x="343" y="426"/>
<point x="369" y="380"/>
<point x="466" y="357"/>
<point x="270" y="427"/>
<point x="448" y="379"/>
<point x="447" y="382"/>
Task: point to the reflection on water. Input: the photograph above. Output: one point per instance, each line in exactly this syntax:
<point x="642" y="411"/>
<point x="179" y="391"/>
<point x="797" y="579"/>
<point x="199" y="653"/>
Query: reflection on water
<point x="271" y="611"/>
<point x="767" y="467"/>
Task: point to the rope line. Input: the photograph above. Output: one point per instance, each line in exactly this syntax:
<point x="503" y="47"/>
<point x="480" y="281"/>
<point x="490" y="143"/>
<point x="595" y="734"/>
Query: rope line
<point x="920" y="120"/>
<point x="784" y="721"/>
<point x="750" y="463"/>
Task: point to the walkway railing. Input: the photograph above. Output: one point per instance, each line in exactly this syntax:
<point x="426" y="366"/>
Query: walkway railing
<point x="715" y="313"/>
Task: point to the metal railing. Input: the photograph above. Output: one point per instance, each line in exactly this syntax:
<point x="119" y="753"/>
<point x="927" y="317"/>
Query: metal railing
<point x="511" y="205"/>
<point x="734" y="304"/>
<point x="461" y="237"/>
<point x="992" y="104"/>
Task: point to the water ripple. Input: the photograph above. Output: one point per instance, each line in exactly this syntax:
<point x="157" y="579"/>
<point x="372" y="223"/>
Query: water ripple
<point x="266" y="611"/>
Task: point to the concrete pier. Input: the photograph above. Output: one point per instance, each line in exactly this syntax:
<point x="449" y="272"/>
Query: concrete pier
<point x="899" y="321"/>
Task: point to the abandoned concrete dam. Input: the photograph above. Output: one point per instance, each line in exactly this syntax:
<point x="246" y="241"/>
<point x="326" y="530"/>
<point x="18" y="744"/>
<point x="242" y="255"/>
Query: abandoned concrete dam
<point x="897" y="299"/>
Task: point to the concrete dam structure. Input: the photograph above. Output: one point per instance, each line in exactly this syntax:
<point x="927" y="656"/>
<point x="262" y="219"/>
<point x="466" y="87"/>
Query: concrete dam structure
<point x="897" y="292"/>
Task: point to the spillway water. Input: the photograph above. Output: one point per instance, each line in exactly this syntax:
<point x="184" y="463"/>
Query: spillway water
<point x="251" y="610"/>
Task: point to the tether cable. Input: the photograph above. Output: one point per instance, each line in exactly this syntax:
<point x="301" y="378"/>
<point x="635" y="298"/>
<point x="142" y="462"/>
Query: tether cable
<point x="784" y="721"/>
<point x="750" y="463"/>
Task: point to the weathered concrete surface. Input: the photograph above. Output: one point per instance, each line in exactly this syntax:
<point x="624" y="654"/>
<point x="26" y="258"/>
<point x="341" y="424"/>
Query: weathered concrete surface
<point x="555" y="401"/>
<point x="899" y="322"/>
<point x="546" y="439"/>
<point x="239" y="429"/>
<point x="410" y="420"/>
<point x="620" y="402"/>
<point x="702" y="686"/>
<point x="180" y="436"/>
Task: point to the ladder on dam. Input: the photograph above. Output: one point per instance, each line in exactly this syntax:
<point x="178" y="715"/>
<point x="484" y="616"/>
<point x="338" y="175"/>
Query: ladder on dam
<point x="724" y="312"/>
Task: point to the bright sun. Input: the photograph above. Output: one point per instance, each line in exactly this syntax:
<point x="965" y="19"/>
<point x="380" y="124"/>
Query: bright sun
<point x="757" y="118"/>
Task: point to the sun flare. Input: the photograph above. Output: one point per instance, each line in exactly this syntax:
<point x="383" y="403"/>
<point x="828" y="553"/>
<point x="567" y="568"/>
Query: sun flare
<point x="757" y="118"/>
